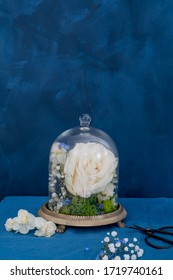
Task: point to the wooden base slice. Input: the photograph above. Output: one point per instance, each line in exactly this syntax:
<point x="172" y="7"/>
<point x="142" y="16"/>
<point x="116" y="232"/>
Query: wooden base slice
<point x="63" y="220"/>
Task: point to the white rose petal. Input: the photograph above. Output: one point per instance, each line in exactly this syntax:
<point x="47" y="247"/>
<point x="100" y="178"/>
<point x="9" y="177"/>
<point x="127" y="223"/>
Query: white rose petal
<point x="107" y="192"/>
<point x="89" y="168"/>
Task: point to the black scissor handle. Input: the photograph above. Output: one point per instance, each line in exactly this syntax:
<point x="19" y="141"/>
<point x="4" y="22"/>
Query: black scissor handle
<point x="164" y="230"/>
<point x="153" y="236"/>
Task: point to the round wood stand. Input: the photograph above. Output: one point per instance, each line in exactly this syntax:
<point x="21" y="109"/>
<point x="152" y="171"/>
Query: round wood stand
<point x="63" y="220"/>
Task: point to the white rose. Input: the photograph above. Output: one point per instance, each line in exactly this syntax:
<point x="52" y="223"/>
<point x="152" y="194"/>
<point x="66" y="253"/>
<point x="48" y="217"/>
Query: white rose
<point x="24" y="222"/>
<point x="45" y="228"/>
<point x="89" y="168"/>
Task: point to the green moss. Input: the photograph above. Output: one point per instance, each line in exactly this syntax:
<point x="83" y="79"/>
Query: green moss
<point x="65" y="210"/>
<point x="76" y="199"/>
<point x="108" y="206"/>
<point x="84" y="210"/>
<point x="80" y="206"/>
<point x="93" y="199"/>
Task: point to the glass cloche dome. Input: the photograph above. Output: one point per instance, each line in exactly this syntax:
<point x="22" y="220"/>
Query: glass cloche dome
<point x="83" y="172"/>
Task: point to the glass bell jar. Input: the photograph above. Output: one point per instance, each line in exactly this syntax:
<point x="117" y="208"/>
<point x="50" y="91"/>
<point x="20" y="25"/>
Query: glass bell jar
<point x="83" y="177"/>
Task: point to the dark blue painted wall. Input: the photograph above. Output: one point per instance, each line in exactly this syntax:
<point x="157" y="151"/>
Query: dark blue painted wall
<point x="112" y="59"/>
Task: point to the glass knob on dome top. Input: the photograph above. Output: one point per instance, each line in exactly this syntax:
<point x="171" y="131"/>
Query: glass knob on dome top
<point x="85" y="120"/>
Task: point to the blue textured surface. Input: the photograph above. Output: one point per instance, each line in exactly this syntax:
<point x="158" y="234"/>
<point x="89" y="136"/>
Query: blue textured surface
<point x="112" y="59"/>
<point x="72" y="244"/>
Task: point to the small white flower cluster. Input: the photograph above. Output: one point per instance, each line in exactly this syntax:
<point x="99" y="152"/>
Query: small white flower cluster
<point x="58" y="157"/>
<point x="117" y="249"/>
<point x="25" y="221"/>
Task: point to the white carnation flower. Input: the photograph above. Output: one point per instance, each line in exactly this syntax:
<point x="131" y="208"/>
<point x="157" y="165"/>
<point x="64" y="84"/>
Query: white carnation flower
<point x="24" y="222"/>
<point x="44" y="227"/>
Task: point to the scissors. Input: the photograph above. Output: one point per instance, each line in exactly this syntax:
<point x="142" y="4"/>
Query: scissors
<point x="153" y="234"/>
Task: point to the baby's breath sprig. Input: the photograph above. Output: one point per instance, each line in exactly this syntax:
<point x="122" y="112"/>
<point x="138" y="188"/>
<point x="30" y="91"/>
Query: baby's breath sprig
<point x="114" y="248"/>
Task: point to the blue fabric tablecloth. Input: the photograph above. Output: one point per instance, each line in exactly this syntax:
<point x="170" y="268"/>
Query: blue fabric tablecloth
<point x="81" y="243"/>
